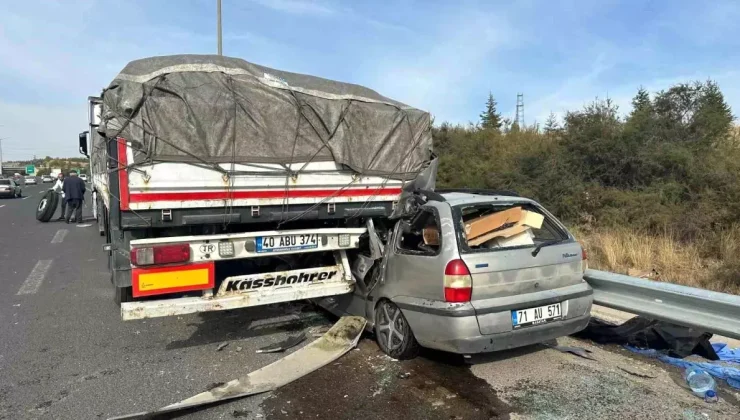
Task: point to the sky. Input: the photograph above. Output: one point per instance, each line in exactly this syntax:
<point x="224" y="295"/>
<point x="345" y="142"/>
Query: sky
<point x="440" y="56"/>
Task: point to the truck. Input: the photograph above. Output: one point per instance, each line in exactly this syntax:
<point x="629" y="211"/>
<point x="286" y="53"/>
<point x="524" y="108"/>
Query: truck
<point x="221" y="184"/>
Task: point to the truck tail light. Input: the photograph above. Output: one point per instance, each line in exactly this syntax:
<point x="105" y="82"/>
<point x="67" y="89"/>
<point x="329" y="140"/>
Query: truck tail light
<point x="163" y="254"/>
<point x="458" y="282"/>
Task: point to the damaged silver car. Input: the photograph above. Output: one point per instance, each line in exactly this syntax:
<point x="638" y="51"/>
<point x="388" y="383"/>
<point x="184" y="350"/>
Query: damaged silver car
<point x="469" y="272"/>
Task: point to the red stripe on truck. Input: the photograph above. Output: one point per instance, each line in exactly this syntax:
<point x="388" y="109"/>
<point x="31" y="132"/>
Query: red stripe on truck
<point x="122" y="174"/>
<point x="227" y="195"/>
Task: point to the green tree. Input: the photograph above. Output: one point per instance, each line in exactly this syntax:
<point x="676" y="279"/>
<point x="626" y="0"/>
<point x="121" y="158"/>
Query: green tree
<point x="490" y="118"/>
<point x="552" y="125"/>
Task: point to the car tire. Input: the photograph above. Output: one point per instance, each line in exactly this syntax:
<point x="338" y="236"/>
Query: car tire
<point x="393" y="333"/>
<point x="47" y="206"/>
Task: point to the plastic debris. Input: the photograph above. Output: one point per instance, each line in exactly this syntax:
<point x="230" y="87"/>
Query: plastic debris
<point x="283" y="345"/>
<point x="725" y="353"/>
<point x="700" y="382"/>
<point x="221" y="346"/>
<point x="729" y="374"/>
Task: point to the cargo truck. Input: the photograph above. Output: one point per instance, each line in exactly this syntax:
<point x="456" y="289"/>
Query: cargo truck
<point x="222" y="184"/>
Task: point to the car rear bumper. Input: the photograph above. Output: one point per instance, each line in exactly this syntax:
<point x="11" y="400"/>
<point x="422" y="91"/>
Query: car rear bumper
<point x="455" y="327"/>
<point x="7" y="193"/>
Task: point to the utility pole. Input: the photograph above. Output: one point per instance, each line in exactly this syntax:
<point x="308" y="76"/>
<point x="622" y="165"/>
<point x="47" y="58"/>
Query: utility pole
<point x="218" y="6"/>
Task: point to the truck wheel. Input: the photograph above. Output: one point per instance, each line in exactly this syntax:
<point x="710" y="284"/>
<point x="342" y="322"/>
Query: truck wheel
<point x="122" y="294"/>
<point x="392" y="332"/>
<point x="47" y="206"/>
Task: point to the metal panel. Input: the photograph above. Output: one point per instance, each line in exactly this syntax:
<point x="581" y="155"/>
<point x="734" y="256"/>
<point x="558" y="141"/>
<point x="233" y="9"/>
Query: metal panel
<point x="705" y="310"/>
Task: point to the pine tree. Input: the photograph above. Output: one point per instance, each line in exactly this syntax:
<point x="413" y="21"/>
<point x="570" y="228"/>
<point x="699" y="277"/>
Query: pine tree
<point x="551" y="124"/>
<point x="490" y="118"/>
<point x="641" y="102"/>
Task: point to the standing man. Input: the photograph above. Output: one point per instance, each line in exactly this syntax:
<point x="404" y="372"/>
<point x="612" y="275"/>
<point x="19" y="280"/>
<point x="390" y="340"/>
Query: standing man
<point x="74" y="193"/>
<point x="59" y="188"/>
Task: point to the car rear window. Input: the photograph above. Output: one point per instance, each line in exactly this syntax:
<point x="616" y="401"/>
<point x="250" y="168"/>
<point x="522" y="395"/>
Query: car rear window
<point x="493" y="226"/>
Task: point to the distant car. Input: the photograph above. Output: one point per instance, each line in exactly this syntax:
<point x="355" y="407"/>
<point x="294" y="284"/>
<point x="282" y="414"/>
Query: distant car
<point x="9" y="189"/>
<point x="46" y="178"/>
<point x="30" y="180"/>
<point x="83" y="177"/>
<point x="438" y="289"/>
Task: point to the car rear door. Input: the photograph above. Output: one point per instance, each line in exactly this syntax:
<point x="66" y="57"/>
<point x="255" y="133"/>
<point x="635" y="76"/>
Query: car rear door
<point x="509" y="278"/>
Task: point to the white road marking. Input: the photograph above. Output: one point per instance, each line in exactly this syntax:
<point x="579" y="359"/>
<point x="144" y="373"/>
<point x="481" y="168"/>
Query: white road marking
<point x="2" y="205"/>
<point x="42" y="191"/>
<point x="85" y="225"/>
<point x="59" y="236"/>
<point x="25" y="197"/>
<point x="33" y="281"/>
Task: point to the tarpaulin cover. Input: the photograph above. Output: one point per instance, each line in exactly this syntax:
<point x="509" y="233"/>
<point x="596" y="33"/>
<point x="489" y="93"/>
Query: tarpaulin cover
<point x="726" y="353"/>
<point x="219" y="109"/>
<point x="729" y="374"/>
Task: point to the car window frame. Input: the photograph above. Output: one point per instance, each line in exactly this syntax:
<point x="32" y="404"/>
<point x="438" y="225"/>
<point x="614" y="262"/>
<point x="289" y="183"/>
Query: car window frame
<point x="397" y="241"/>
<point x="462" y="241"/>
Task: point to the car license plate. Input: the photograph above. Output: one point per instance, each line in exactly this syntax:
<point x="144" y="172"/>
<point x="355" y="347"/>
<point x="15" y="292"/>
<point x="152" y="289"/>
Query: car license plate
<point x="287" y="242"/>
<point x="536" y="316"/>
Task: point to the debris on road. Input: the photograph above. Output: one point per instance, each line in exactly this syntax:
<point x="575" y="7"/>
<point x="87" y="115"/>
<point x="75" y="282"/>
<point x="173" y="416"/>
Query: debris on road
<point x="641" y="332"/>
<point x="729" y="374"/>
<point x="404" y="375"/>
<point x="221" y="346"/>
<point x="341" y="338"/>
<point x="725" y="353"/>
<point x="318" y="331"/>
<point x="281" y="346"/>
<point x="638" y="371"/>
<point x="578" y="351"/>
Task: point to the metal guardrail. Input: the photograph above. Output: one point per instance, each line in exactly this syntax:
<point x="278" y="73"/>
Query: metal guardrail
<point x="704" y="310"/>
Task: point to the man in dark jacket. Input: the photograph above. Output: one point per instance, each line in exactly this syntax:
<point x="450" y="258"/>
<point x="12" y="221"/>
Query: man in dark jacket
<point x="74" y="193"/>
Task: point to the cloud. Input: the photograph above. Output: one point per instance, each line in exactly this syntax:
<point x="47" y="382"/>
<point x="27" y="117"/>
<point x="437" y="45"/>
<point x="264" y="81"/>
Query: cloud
<point x="297" y="7"/>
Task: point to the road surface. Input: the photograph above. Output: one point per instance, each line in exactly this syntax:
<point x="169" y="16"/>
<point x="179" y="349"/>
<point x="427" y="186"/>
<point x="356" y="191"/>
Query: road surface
<point x="65" y="354"/>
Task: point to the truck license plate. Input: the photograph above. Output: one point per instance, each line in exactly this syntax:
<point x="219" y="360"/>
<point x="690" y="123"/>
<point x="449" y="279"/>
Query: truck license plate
<point x="287" y="242"/>
<point x="536" y="316"/>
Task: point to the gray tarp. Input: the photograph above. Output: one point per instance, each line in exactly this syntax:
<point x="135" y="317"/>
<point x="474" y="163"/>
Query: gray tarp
<point x="218" y="109"/>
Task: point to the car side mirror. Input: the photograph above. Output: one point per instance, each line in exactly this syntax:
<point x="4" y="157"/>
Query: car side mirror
<point x="83" y="143"/>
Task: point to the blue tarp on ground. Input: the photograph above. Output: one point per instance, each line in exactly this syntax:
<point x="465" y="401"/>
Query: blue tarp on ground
<point x="729" y="374"/>
<point x="725" y="353"/>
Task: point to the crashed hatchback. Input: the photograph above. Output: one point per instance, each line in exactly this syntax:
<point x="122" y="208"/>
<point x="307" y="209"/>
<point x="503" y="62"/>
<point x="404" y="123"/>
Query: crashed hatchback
<point x="470" y="272"/>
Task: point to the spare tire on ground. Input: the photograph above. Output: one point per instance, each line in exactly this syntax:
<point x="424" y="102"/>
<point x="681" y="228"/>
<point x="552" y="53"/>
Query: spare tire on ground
<point x="47" y="206"/>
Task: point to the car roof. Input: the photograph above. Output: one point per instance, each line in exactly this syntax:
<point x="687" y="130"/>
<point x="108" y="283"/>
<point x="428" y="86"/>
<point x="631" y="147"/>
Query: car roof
<point x="463" y="198"/>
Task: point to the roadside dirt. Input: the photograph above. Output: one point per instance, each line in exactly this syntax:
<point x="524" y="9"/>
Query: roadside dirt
<point x="367" y="384"/>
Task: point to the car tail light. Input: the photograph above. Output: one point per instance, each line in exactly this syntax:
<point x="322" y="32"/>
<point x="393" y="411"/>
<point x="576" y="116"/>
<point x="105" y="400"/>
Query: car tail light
<point x="584" y="259"/>
<point x="163" y="254"/>
<point x="458" y="282"/>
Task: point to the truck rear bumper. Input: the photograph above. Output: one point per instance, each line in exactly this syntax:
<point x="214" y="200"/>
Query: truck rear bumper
<point x="189" y="305"/>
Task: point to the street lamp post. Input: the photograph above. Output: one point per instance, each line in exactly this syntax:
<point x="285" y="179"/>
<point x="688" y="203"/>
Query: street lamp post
<point x="218" y="6"/>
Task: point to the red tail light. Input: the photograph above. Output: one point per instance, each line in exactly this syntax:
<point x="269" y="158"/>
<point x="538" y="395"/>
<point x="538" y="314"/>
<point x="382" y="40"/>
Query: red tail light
<point x="457" y="282"/>
<point x="163" y="254"/>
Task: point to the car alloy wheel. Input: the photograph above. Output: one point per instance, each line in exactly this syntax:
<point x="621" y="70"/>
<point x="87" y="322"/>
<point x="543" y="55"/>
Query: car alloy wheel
<point x="42" y="204"/>
<point x="393" y="332"/>
<point x="390" y="329"/>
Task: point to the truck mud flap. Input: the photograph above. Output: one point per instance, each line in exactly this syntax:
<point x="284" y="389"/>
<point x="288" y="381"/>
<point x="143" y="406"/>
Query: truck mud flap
<point x="340" y="339"/>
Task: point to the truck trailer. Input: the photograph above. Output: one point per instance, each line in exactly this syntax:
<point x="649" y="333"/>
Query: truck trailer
<point x="222" y="184"/>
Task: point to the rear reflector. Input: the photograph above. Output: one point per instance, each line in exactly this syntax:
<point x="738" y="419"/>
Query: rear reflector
<point x="458" y="283"/>
<point x="163" y="254"/>
<point x="584" y="258"/>
<point x="150" y="281"/>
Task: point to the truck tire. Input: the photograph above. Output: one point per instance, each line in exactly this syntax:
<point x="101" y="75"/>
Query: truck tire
<point x="393" y="333"/>
<point x="47" y="206"/>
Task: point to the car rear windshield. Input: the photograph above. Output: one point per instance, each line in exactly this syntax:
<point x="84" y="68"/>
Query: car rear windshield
<point x="4" y="182"/>
<point x="493" y="226"/>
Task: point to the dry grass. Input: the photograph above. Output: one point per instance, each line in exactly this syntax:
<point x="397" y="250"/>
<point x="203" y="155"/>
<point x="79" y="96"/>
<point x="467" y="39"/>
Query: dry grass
<point x="710" y="263"/>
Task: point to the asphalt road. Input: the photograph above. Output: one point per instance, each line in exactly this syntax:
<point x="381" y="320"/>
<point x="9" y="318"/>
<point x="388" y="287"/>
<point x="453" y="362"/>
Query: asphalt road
<point x="65" y="354"/>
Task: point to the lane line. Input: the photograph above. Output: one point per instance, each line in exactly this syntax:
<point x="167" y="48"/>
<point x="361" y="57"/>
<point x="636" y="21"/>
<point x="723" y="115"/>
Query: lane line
<point x="2" y="205"/>
<point x="42" y="191"/>
<point x="33" y="281"/>
<point x="59" y="236"/>
<point x="28" y="196"/>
